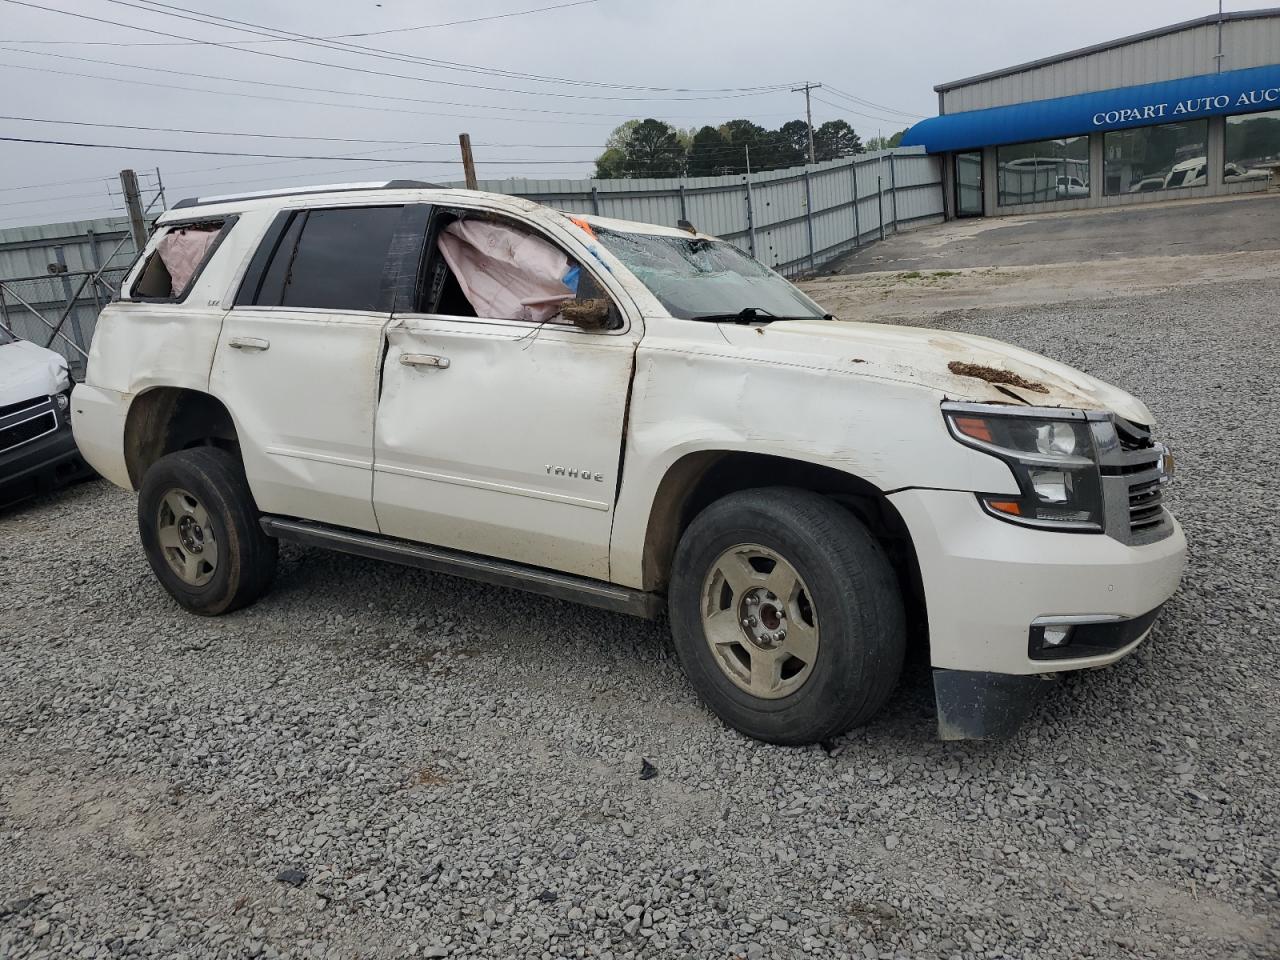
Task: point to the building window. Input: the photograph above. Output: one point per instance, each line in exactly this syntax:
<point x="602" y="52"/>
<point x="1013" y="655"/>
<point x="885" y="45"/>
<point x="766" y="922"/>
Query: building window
<point x="1044" y="170"/>
<point x="1253" y="147"/>
<point x="1163" y="157"/>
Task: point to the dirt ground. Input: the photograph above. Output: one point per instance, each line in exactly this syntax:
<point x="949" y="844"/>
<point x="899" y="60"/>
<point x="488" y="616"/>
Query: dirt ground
<point x="1052" y="258"/>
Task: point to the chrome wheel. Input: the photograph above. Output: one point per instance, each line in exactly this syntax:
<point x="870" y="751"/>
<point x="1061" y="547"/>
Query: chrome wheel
<point x="186" y="537"/>
<point x="760" y="622"/>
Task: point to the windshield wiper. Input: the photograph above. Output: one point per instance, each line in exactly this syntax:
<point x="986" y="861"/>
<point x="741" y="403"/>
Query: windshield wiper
<point x="745" y="315"/>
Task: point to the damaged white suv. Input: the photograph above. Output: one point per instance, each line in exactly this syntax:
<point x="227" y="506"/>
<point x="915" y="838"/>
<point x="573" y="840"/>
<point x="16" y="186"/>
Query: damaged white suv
<point x="631" y="416"/>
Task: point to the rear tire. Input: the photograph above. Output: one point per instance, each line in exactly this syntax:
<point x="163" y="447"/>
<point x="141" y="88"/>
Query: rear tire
<point x="786" y="615"/>
<point x="199" y="528"/>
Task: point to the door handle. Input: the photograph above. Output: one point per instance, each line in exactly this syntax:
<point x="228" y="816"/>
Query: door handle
<point x="424" y="360"/>
<point x="249" y="343"/>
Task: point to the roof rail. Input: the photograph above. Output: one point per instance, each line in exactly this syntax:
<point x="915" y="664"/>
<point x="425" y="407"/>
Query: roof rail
<point x="306" y="191"/>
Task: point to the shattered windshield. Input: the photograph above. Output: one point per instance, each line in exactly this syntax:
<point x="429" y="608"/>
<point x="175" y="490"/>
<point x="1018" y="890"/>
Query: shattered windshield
<point x="696" y="278"/>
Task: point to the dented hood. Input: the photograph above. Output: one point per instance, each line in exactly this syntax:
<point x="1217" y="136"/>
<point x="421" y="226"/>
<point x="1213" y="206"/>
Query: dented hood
<point x="28" y="371"/>
<point x="960" y="366"/>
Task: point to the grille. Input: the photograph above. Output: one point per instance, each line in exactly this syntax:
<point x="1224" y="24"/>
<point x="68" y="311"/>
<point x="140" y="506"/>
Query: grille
<point x="22" y="407"/>
<point x="1145" y="501"/>
<point x="26" y="423"/>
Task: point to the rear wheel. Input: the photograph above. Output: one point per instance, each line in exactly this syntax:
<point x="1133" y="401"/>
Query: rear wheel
<point x="786" y="615"/>
<point x="199" y="529"/>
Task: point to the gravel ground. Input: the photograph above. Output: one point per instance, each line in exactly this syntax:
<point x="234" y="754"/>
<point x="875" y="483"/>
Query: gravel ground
<point x="375" y="762"/>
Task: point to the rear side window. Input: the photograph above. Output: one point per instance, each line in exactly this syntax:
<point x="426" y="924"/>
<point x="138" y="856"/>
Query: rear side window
<point x="177" y="259"/>
<point x="329" y="259"/>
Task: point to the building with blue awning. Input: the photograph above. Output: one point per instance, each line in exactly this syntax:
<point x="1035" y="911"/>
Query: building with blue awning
<point x="1188" y="110"/>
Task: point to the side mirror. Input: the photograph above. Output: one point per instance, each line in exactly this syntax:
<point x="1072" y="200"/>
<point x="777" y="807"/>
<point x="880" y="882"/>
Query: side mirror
<point x="589" y="314"/>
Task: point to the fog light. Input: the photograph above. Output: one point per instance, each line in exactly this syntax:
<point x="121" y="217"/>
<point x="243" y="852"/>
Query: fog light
<point x="63" y="402"/>
<point x="1056" y="635"/>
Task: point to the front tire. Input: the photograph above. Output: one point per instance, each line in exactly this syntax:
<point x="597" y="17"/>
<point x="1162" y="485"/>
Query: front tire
<point x="199" y="528"/>
<point x="786" y="615"/>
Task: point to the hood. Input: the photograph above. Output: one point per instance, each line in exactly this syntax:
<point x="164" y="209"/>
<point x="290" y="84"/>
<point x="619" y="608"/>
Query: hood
<point x="28" y="372"/>
<point x="958" y="365"/>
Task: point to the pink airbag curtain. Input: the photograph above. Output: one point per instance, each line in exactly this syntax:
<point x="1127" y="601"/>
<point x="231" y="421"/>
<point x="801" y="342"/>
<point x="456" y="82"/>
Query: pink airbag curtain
<point x="182" y="251"/>
<point x="505" y="273"/>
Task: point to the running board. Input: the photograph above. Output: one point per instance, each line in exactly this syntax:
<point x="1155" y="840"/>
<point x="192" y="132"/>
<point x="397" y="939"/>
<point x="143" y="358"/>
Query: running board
<point x="502" y="573"/>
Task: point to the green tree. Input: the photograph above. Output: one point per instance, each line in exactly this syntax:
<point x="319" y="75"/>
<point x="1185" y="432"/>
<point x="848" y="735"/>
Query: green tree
<point x="835" y="139"/>
<point x="741" y="136"/>
<point x="709" y="154"/>
<point x="654" y="150"/>
<point x="886" y="143"/>
<point x="791" y="144"/>
<point x="611" y="164"/>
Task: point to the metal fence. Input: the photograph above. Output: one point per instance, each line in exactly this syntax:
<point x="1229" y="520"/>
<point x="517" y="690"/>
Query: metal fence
<point x="793" y="220"/>
<point x="54" y="279"/>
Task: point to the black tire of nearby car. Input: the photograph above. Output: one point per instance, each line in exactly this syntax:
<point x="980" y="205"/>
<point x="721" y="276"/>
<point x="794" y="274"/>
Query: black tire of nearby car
<point x="854" y="591"/>
<point x="247" y="556"/>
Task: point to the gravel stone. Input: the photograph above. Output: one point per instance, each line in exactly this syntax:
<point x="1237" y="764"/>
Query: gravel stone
<point x="425" y="749"/>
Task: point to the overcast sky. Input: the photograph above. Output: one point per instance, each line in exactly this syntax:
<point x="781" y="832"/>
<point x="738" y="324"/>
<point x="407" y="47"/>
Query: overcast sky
<point x="890" y="54"/>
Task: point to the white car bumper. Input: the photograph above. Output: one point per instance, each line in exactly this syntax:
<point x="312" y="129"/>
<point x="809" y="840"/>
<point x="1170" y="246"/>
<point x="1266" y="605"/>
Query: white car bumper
<point x="990" y="587"/>
<point x="987" y="581"/>
<point x="97" y="420"/>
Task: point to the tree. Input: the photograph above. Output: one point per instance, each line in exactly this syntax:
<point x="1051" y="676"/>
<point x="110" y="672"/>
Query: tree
<point x="835" y="139"/>
<point x="741" y="136"/>
<point x="886" y="143"/>
<point x="611" y="164"/>
<point x="791" y="144"/>
<point x="709" y="154"/>
<point x="654" y="150"/>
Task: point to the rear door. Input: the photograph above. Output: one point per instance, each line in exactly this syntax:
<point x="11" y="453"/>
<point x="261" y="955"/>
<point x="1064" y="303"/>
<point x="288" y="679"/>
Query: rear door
<point x="501" y="436"/>
<point x="298" y="359"/>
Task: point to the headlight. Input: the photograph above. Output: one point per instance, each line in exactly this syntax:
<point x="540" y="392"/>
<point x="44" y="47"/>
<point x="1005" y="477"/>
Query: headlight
<point x="1052" y="456"/>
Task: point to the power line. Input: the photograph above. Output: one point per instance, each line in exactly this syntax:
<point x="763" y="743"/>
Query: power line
<point x="274" y="156"/>
<point x="294" y="86"/>
<point x="278" y="99"/>
<point x="381" y="53"/>
<point x="849" y="110"/>
<point x="340" y="66"/>
<point x="340" y="36"/>
<point x="872" y="104"/>
<point x="288" y="136"/>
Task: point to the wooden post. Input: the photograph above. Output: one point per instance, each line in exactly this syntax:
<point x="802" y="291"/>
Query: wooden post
<point x="468" y="161"/>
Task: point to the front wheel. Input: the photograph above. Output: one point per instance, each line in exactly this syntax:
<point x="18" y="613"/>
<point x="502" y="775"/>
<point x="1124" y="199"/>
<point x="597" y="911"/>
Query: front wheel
<point x="199" y="528"/>
<point x="786" y="615"/>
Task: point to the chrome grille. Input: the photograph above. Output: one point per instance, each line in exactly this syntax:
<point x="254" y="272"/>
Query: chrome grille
<point x="23" y="422"/>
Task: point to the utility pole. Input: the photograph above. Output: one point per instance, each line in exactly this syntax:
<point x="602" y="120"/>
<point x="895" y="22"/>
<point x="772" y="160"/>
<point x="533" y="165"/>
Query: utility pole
<point x="808" y="111"/>
<point x="1218" y="58"/>
<point x="468" y="161"/>
<point x="133" y="203"/>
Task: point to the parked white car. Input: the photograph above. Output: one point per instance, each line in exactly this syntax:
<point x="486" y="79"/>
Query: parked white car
<point x="632" y="416"/>
<point x="1071" y="188"/>
<point x="37" y="449"/>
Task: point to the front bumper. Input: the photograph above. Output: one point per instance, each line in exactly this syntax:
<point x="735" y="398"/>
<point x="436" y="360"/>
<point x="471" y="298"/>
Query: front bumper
<point x="986" y="582"/>
<point x="40" y="465"/>
<point x="991" y="587"/>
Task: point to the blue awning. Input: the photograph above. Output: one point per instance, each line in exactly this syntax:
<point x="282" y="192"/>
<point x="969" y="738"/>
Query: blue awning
<point x="1188" y="98"/>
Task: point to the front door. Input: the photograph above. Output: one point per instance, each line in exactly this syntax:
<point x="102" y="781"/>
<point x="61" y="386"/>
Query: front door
<point x="298" y="360"/>
<point x="968" y="179"/>
<point x="501" y="436"/>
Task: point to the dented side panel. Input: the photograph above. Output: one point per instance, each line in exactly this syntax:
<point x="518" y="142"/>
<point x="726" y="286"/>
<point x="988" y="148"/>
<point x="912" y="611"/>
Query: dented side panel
<point x="512" y="449"/>
<point x="693" y="391"/>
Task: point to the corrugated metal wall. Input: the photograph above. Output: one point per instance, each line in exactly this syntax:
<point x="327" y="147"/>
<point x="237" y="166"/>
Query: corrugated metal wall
<point x="793" y="220"/>
<point x="26" y="255"/>
<point x="1254" y="42"/>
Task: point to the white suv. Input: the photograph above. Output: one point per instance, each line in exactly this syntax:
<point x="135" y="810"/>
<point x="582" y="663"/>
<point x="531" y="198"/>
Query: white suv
<point x="632" y="416"/>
